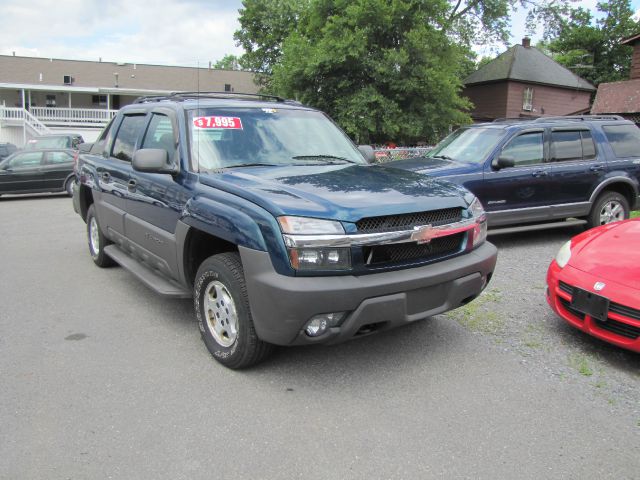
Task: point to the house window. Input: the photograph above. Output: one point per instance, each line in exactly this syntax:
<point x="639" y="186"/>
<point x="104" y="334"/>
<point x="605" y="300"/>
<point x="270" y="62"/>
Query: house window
<point x="100" y="100"/>
<point x="227" y="87"/>
<point x="51" y="101"/>
<point x="527" y="99"/>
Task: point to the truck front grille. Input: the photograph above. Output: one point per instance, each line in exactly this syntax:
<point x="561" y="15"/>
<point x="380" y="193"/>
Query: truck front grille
<point x="397" y="253"/>
<point x="394" y="223"/>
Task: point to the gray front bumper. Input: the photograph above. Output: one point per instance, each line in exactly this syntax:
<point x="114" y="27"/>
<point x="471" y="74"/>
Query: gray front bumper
<point x="282" y="305"/>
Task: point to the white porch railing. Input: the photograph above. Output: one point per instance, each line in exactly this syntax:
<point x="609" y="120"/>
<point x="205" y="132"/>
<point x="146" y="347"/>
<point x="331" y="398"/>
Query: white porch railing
<point x="73" y="116"/>
<point x="20" y="115"/>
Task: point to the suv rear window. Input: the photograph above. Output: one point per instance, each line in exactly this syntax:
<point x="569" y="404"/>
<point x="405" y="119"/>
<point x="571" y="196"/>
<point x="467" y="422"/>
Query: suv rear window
<point x="624" y="139"/>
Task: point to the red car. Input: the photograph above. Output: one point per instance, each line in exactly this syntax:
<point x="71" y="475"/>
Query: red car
<point x="594" y="283"/>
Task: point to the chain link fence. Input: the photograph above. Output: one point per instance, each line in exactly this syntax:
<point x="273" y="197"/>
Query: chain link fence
<point x="384" y="155"/>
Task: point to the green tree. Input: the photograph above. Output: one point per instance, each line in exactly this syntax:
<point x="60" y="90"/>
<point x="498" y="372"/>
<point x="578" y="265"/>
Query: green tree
<point x="377" y="67"/>
<point x="264" y="25"/>
<point x="591" y="47"/>
<point x="228" y="62"/>
<point x="384" y="69"/>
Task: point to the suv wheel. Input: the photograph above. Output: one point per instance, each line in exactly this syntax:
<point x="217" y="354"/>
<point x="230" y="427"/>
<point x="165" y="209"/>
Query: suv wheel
<point x="97" y="241"/>
<point x="223" y="313"/>
<point x="608" y="207"/>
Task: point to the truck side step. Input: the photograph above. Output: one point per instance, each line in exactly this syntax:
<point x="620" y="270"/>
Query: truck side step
<point x="537" y="226"/>
<point x="151" y="279"/>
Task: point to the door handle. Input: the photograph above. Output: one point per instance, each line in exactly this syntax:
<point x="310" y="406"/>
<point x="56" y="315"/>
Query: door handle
<point x="132" y="185"/>
<point x="540" y="173"/>
<point x="596" y="168"/>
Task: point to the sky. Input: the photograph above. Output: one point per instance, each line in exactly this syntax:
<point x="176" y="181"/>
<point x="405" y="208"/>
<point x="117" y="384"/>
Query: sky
<point x="161" y="32"/>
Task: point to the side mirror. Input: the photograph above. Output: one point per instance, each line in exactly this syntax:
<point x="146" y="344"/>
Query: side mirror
<point x="503" y="162"/>
<point x="367" y="153"/>
<point x="153" y="160"/>
<point x="85" y="147"/>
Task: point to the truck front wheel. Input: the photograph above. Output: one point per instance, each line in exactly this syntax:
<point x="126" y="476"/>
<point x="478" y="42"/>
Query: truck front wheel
<point x="224" y="317"/>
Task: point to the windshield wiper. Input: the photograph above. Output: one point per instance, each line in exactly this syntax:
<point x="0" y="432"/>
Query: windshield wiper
<point x="323" y="158"/>
<point x="242" y="165"/>
<point x="444" y="157"/>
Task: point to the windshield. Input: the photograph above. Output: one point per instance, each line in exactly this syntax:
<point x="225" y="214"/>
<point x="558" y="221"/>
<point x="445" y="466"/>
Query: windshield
<point x="226" y="138"/>
<point x="468" y="145"/>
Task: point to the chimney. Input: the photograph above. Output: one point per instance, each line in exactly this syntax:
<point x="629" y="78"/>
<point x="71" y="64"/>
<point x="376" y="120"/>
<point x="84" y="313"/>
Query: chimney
<point x="526" y="42"/>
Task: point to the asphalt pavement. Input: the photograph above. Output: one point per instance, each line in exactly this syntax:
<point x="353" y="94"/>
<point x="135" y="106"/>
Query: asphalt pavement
<point x="102" y="378"/>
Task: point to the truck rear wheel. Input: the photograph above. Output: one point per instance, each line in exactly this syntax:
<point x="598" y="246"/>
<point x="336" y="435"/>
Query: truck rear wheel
<point x="223" y="313"/>
<point x="97" y="241"/>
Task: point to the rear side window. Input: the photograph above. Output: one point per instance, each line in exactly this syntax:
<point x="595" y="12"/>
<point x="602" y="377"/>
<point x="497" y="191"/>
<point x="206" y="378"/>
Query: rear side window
<point x="128" y="133"/>
<point x="59" y="157"/>
<point x="572" y="145"/>
<point x="624" y="139"/>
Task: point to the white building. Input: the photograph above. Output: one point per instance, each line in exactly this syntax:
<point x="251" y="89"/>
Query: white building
<point x="42" y="95"/>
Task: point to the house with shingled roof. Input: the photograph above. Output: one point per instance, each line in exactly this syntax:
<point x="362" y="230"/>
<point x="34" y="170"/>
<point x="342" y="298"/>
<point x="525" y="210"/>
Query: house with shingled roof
<point x="622" y="98"/>
<point x="523" y="82"/>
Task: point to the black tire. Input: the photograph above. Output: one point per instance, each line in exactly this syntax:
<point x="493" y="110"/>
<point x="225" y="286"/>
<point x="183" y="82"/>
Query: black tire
<point x="609" y="207"/>
<point x="68" y="186"/>
<point x="222" y="310"/>
<point x="99" y="241"/>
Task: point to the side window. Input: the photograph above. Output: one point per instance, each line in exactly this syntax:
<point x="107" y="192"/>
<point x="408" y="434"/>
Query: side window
<point x="26" y="160"/>
<point x="525" y="149"/>
<point x="59" y="157"/>
<point x="160" y="134"/>
<point x="128" y="133"/>
<point x="572" y="145"/>
<point x="624" y="139"/>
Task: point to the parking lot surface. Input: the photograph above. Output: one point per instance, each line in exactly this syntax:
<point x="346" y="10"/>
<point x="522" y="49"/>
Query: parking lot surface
<point x="101" y="378"/>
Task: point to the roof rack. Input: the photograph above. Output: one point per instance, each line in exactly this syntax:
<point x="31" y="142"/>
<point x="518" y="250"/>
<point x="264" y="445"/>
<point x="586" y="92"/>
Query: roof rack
<point x="512" y="119"/>
<point x="220" y="95"/>
<point x="579" y="118"/>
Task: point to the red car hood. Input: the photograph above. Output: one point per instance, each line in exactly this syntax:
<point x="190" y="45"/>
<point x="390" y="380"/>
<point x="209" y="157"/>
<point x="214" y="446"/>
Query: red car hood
<point x="612" y="254"/>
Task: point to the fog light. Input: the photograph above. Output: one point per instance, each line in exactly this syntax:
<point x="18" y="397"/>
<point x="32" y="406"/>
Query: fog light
<point x="319" y="324"/>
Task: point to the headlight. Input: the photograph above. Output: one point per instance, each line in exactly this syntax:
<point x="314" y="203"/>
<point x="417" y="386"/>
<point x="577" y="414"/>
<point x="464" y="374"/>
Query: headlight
<point x="564" y="254"/>
<point x="309" y="226"/>
<point x="480" y="230"/>
<point x="315" y="258"/>
<point x="320" y="258"/>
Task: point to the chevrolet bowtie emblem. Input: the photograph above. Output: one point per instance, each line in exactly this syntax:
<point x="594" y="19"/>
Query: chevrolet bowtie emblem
<point x="423" y="234"/>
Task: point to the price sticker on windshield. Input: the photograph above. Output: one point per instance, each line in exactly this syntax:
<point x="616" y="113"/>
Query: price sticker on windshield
<point x="233" y="123"/>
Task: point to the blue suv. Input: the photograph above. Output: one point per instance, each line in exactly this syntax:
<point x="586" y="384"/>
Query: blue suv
<point x="529" y="173"/>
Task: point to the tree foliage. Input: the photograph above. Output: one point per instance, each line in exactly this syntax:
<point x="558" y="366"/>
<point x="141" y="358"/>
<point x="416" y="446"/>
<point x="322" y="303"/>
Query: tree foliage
<point x="591" y="47"/>
<point x="384" y="69"/>
<point x="228" y="62"/>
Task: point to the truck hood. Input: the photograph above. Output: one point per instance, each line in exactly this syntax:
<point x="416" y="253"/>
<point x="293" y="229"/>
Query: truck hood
<point x="613" y="254"/>
<point x="438" y="167"/>
<point x="341" y="192"/>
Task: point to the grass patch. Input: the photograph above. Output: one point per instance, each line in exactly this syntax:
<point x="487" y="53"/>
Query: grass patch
<point x="479" y="315"/>
<point x="580" y="363"/>
<point x="635" y="214"/>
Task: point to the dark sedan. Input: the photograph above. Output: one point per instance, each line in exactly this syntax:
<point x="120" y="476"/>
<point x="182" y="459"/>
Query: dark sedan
<point x="36" y="171"/>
